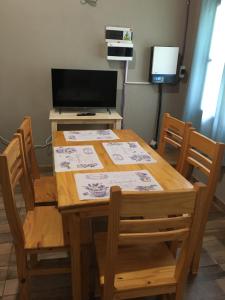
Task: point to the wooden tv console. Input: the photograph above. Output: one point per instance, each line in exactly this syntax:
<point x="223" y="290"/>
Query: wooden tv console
<point x="112" y="120"/>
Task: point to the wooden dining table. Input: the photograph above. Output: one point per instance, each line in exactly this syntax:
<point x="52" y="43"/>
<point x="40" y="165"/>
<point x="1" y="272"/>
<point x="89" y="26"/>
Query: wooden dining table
<point x="78" y="213"/>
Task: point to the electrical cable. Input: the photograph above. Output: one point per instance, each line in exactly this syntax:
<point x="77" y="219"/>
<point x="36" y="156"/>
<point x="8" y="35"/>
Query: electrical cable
<point x="185" y="32"/>
<point x="4" y="141"/>
<point x="123" y="97"/>
<point x="160" y="86"/>
<point x="154" y="141"/>
<point x="91" y="2"/>
<point x="47" y="143"/>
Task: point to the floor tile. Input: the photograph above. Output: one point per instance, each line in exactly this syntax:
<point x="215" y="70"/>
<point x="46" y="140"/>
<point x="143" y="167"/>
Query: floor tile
<point x="3" y="273"/>
<point x="5" y="248"/>
<point x="11" y="287"/>
<point x="4" y="259"/>
<point x="2" y="285"/>
<point x="4" y="228"/>
<point x="11" y="272"/>
<point x="221" y="283"/>
<point x="11" y="297"/>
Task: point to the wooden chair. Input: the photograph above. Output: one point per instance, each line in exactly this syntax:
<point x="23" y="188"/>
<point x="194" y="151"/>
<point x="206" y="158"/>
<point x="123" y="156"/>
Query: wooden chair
<point x="204" y="155"/>
<point x="173" y="134"/>
<point x="134" y="259"/>
<point x="44" y="187"/>
<point x="41" y="230"/>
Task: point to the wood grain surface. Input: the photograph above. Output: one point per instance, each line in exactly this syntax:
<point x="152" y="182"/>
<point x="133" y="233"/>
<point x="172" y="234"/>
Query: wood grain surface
<point x="68" y="198"/>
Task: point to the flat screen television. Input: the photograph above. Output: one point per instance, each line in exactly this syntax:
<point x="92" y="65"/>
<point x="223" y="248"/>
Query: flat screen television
<point x="83" y="88"/>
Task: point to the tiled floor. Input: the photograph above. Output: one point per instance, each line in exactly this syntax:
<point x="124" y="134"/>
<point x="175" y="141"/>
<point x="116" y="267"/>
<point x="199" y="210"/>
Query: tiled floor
<point x="209" y="284"/>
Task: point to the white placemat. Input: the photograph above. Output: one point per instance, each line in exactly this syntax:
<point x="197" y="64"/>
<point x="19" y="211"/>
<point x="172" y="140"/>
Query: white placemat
<point x="76" y="158"/>
<point x="97" y="185"/>
<point x="90" y="135"/>
<point x="123" y="153"/>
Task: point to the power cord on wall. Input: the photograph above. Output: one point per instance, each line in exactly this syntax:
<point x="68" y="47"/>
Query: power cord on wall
<point x="4" y="141"/>
<point x="185" y="31"/>
<point x="47" y="143"/>
<point x="91" y="2"/>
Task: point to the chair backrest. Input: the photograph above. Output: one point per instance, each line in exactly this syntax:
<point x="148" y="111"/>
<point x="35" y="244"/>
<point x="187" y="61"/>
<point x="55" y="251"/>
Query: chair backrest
<point x="205" y="155"/>
<point x="25" y="130"/>
<point x="126" y="228"/>
<point x="173" y="133"/>
<point x="13" y="171"/>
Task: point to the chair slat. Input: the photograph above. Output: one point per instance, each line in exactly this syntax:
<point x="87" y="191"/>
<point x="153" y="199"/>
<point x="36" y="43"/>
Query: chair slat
<point x="28" y="138"/>
<point x="198" y="165"/>
<point x="173" y="133"/>
<point x="172" y="142"/>
<point x="203" y="144"/>
<point x="153" y="204"/>
<point x="154" y="237"/>
<point x="175" y="124"/>
<point x="26" y="131"/>
<point x="178" y="137"/>
<point x="13" y="153"/>
<point x="17" y="177"/>
<point x="198" y="156"/>
<point x="145" y="225"/>
<point x="15" y="167"/>
<point x="44" y="187"/>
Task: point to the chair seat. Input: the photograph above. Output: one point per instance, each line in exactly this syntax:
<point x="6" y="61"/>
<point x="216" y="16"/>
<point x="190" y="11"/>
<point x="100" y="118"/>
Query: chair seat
<point x="138" y="267"/>
<point x="43" y="228"/>
<point x="45" y="190"/>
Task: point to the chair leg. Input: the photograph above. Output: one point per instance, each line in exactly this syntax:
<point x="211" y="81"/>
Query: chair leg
<point x="21" y="260"/>
<point x="179" y="291"/>
<point x="85" y="257"/>
<point x="23" y="292"/>
<point x="65" y="228"/>
<point x="74" y="235"/>
<point x="196" y="258"/>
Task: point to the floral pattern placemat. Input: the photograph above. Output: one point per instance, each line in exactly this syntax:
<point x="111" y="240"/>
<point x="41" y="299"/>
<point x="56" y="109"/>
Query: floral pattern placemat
<point x="76" y="158"/>
<point x="97" y="185"/>
<point x="90" y="135"/>
<point x="122" y="153"/>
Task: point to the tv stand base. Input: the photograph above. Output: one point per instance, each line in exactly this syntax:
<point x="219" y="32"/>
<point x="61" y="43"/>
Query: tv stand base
<point x="111" y="120"/>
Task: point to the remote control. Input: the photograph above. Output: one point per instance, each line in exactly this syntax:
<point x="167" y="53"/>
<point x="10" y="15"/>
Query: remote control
<point x="86" y="114"/>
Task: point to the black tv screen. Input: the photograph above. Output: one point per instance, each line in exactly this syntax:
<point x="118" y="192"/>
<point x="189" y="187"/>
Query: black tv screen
<point x="84" y="88"/>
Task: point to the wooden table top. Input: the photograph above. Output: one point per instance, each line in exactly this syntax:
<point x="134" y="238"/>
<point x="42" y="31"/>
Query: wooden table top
<point x="68" y="198"/>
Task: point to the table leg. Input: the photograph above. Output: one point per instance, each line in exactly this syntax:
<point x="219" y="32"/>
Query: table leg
<point x="85" y="259"/>
<point x="118" y="124"/>
<point x="74" y="236"/>
<point x="54" y="126"/>
<point x="66" y="232"/>
<point x="86" y="247"/>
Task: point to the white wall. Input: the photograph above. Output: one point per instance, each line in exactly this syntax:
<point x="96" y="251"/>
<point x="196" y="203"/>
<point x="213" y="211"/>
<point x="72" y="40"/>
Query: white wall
<point x="38" y="35"/>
